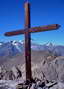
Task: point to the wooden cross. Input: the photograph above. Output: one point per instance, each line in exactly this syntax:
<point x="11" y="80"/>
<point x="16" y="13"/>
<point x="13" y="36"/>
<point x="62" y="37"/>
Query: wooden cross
<point x="27" y="34"/>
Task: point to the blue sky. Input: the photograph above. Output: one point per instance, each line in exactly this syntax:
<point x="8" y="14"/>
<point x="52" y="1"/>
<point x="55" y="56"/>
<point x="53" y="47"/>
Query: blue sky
<point x="43" y="12"/>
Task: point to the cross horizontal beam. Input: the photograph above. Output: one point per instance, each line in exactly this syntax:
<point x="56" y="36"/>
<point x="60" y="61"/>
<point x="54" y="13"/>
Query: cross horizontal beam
<point x="34" y="29"/>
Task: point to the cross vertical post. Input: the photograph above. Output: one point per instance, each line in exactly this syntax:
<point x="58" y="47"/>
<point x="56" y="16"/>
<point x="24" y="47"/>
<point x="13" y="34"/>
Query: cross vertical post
<point x="27" y="42"/>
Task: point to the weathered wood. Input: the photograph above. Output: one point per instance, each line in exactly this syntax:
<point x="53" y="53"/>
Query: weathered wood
<point x="27" y="42"/>
<point x="44" y="28"/>
<point x="34" y="29"/>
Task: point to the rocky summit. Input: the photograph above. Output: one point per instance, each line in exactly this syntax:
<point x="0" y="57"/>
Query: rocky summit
<point x="48" y="74"/>
<point x="47" y="66"/>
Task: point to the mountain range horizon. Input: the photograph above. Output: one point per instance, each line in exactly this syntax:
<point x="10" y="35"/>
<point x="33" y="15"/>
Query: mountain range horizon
<point x="12" y="48"/>
<point x="32" y="41"/>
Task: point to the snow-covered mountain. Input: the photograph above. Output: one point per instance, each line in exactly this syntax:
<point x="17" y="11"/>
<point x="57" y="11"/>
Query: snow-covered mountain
<point x="13" y="48"/>
<point x="1" y="43"/>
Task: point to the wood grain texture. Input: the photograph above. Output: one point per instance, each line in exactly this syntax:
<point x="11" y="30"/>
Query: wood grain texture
<point x="34" y="29"/>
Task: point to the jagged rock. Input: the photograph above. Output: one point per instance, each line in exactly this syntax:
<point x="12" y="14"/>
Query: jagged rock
<point x="11" y="74"/>
<point x="46" y="70"/>
<point x="33" y="86"/>
<point x="37" y="72"/>
<point x="16" y="72"/>
<point x="50" y="72"/>
<point x="0" y="69"/>
<point x="51" y="84"/>
<point x="58" y="63"/>
<point x="54" y="70"/>
<point x="58" y="86"/>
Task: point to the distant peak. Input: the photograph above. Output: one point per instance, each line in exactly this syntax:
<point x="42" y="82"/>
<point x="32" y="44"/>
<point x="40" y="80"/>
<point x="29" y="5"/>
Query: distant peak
<point x="14" y="42"/>
<point x="49" y="44"/>
<point x="1" y="43"/>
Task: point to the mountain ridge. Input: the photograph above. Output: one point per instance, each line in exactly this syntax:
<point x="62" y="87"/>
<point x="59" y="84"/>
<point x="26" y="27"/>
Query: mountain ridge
<point x="13" y="48"/>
